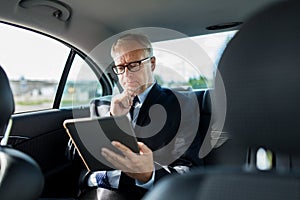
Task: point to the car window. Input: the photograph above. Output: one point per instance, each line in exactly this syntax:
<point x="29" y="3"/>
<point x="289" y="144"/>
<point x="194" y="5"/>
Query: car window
<point x="189" y="63"/>
<point x="82" y="85"/>
<point x="34" y="64"/>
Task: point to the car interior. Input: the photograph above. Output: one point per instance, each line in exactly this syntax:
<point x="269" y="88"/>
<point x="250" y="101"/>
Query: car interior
<point x="247" y="134"/>
<point x="252" y="117"/>
<point x="18" y="170"/>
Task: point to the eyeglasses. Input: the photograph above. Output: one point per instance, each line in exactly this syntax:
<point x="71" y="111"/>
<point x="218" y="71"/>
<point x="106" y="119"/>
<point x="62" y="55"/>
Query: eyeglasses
<point x="132" y="66"/>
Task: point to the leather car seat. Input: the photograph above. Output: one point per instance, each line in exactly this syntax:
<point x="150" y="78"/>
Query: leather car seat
<point x="260" y="71"/>
<point x="20" y="176"/>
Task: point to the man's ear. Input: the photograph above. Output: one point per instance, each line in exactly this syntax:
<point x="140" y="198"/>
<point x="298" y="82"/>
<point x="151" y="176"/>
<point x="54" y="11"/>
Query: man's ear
<point x="153" y="63"/>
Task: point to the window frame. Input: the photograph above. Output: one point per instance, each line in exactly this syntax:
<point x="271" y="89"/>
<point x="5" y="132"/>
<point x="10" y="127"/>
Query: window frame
<point x="104" y="79"/>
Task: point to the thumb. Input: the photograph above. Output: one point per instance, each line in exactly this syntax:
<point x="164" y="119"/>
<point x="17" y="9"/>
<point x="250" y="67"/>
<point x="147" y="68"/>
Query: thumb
<point x="143" y="148"/>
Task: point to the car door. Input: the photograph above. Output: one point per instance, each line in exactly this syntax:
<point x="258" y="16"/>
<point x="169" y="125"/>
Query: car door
<point x="51" y="82"/>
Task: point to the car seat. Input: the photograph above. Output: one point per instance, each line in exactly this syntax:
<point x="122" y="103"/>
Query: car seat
<point x="20" y="176"/>
<point x="260" y="71"/>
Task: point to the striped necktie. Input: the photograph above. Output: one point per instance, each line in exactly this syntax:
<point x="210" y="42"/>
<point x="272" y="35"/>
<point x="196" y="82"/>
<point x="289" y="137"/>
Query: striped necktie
<point x="131" y="111"/>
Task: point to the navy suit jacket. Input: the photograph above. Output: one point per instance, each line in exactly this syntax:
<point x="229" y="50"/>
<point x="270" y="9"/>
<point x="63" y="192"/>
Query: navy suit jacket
<point x="167" y="123"/>
<point x="163" y="125"/>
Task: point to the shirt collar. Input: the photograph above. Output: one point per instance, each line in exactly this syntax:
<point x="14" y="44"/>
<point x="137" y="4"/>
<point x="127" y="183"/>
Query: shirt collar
<point x="144" y="94"/>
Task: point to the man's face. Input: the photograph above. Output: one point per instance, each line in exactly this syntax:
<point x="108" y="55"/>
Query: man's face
<point x="137" y="81"/>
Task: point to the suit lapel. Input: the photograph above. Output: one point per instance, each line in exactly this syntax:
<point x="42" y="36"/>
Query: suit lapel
<point x="153" y="96"/>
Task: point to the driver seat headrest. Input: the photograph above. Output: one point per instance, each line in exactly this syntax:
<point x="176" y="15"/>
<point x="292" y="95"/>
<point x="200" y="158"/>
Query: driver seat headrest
<point x="20" y="176"/>
<point x="260" y="71"/>
<point x="7" y="106"/>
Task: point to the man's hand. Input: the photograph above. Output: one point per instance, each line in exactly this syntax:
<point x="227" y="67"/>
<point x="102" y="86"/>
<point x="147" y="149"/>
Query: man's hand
<point x="121" y="103"/>
<point x="138" y="166"/>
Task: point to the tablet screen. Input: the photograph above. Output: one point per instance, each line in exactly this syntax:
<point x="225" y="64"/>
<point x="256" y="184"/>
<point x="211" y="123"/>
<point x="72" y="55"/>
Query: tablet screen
<point x="91" y="134"/>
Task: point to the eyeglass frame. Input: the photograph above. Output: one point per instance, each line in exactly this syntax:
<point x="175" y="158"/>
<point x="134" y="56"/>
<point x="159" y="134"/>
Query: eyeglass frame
<point x="139" y="62"/>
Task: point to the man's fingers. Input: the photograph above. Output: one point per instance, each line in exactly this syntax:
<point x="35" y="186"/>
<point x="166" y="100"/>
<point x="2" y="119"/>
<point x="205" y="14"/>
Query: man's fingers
<point x="143" y="148"/>
<point x="118" y="161"/>
<point x="130" y="93"/>
<point x="124" y="149"/>
<point x="112" y="157"/>
<point x="124" y="99"/>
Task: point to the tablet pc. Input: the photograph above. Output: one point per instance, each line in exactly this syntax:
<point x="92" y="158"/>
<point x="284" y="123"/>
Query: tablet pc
<point x="89" y="135"/>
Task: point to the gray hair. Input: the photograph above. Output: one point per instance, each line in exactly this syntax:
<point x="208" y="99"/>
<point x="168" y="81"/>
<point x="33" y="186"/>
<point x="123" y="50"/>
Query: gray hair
<point x="143" y="40"/>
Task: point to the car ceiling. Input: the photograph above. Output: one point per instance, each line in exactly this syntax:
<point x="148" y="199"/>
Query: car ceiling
<point x="92" y="21"/>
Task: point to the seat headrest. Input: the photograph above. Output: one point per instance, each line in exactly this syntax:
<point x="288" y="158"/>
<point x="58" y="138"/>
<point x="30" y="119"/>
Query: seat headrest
<point x="260" y="69"/>
<point x="7" y="106"/>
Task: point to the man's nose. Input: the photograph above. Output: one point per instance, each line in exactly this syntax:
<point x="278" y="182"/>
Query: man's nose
<point x="126" y="71"/>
